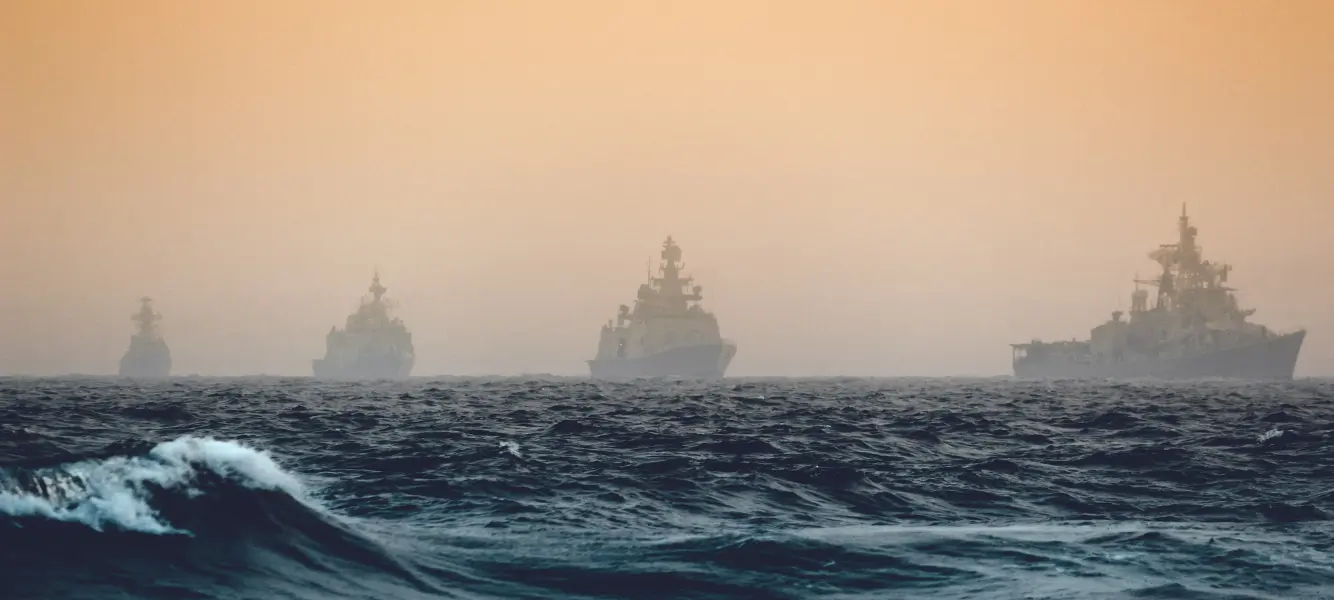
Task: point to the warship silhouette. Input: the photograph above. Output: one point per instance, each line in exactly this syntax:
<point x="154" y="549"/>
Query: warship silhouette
<point x="148" y="355"/>
<point x="1194" y="330"/>
<point x="371" y="345"/>
<point x="666" y="334"/>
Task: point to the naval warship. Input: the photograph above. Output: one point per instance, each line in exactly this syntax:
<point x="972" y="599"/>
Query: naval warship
<point x="666" y="334"/>
<point x="1194" y="330"/>
<point x="148" y="355"/>
<point x="371" y="345"/>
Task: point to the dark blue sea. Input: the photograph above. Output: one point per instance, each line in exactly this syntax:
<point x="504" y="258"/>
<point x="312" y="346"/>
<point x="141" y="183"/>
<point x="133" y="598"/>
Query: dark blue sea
<point x="567" y="488"/>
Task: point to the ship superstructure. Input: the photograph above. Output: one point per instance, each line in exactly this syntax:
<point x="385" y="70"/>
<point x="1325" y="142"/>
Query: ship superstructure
<point x="148" y="355"/>
<point x="371" y="345"/>
<point x="666" y="334"/>
<point x="1194" y="328"/>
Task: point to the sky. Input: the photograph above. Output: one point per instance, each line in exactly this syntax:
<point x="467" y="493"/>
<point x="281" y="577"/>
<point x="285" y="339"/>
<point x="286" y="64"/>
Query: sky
<point x="876" y="188"/>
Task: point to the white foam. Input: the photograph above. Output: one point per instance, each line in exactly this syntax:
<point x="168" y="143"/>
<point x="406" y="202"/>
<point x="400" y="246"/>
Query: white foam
<point x="1271" y="434"/>
<point x="111" y="492"/>
<point x="248" y="466"/>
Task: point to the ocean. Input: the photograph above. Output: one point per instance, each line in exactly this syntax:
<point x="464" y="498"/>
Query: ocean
<point x="750" y="488"/>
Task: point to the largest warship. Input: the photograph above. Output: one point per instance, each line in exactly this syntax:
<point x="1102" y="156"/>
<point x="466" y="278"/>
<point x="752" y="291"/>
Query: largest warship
<point x="148" y="355"/>
<point x="1194" y="330"/>
<point x="372" y="345"/>
<point x="666" y="334"/>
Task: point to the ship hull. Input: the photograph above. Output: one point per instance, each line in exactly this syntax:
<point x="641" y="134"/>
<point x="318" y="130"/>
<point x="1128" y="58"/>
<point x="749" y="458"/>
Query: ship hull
<point x="146" y="359"/>
<point x="384" y="367"/>
<point x="1271" y="359"/>
<point x="708" y="361"/>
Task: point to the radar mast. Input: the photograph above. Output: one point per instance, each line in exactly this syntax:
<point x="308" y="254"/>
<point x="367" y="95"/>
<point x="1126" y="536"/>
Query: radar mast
<point x="146" y="318"/>
<point x="674" y="291"/>
<point x="376" y="289"/>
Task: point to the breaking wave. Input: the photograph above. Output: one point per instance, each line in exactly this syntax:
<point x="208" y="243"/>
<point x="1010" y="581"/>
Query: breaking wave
<point x="149" y="493"/>
<point x="193" y="504"/>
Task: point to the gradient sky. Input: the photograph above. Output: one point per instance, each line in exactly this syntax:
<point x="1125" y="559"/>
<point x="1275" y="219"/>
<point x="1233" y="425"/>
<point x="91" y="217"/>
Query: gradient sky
<point x="862" y="188"/>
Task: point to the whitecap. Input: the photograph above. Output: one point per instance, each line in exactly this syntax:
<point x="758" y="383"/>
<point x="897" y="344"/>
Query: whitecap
<point x="111" y="492"/>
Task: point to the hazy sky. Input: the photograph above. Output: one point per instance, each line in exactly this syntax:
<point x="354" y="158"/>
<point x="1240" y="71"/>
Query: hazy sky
<point x="862" y="188"/>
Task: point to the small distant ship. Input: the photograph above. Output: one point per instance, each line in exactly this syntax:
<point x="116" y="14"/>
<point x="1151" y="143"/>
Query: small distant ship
<point x="148" y="355"/>
<point x="1194" y="330"/>
<point x="371" y="345"/>
<point x="666" y="334"/>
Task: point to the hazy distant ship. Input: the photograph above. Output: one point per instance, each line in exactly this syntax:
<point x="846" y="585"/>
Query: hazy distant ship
<point x="667" y="334"/>
<point x="148" y="355"/>
<point x="1194" y="330"/>
<point x="371" y="346"/>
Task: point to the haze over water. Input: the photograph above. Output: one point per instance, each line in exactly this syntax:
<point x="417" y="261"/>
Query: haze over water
<point x="862" y="188"/>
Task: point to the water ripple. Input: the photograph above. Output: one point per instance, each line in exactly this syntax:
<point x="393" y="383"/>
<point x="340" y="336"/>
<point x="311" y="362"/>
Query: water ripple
<point x="764" y="488"/>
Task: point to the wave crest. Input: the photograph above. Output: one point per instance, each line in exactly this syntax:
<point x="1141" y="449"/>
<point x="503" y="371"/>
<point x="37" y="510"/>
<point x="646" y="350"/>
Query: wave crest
<point x="119" y="491"/>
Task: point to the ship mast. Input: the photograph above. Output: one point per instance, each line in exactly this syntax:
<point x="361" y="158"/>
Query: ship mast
<point x="1188" y="285"/>
<point x="673" y="289"/>
<point x="376" y="289"/>
<point x="146" y="318"/>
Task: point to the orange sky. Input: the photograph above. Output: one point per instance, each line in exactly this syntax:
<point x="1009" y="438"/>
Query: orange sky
<point x="863" y="188"/>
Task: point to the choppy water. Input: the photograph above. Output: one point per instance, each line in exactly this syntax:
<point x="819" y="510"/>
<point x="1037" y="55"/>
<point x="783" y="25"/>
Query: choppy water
<point x="272" y="488"/>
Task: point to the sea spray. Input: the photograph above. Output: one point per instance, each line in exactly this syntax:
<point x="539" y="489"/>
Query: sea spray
<point x="115" y="491"/>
